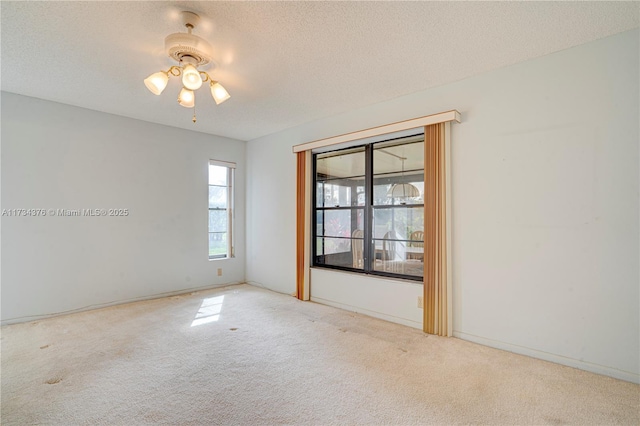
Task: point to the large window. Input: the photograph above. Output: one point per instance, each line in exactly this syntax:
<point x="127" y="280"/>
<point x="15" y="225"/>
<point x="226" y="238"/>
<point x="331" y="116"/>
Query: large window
<point x="369" y="212"/>
<point x="221" y="176"/>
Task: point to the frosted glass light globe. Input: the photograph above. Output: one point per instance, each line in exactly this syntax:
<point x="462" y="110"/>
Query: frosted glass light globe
<point x="191" y="77"/>
<point x="219" y="93"/>
<point x="187" y="98"/>
<point x="156" y="82"/>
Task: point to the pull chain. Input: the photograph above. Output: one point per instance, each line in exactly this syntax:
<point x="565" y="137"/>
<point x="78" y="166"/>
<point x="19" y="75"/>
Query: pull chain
<point x="194" y="107"/>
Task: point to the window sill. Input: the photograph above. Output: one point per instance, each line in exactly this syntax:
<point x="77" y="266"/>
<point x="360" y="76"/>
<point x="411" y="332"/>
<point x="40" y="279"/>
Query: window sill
<point x="419" y="282"/>
<point x="212" y="259"/>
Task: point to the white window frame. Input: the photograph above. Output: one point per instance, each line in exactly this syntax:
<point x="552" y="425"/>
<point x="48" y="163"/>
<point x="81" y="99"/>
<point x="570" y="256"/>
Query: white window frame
<point x="231" y="167"/>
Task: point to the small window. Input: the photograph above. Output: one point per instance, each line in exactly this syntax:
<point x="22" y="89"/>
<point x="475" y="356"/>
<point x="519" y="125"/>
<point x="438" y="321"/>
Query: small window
<point x="221" y="183"/>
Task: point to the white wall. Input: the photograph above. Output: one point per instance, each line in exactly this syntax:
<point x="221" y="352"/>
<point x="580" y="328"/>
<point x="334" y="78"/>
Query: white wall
<point x="378" y="297"/>
<point x="56" y="156"/>
<point x="545" y="190"/>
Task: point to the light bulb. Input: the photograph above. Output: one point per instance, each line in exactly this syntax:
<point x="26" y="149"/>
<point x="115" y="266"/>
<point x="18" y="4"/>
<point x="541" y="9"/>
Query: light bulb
<point x="156" y="82"/>
<point x="219" y="93"/>
<point x="186" y="98"/>
<point x="191" y="77"/>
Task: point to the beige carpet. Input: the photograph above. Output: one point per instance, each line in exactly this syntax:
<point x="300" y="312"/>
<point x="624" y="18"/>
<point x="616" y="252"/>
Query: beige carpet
<point x="265" y="358"/>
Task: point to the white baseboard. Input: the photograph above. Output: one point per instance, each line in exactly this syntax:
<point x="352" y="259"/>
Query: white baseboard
<point x="114" y="303"/>
<point x="260" y="285"/>
<point x="558" y="359"/>
<point x="374" y="314"/>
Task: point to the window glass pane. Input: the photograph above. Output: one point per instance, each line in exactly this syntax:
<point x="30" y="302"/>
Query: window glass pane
<point x="385" y="193"/>
<point x="390" y="248"/>
<point x="357" y="250"/>
<point x="359" y="219"/>
<point x="380" y="190"/>
<point x="398" y="257"/>
<point x="395" y="255"/>
<point x="388" y="156"/>
<point x="382" y="222"/>
<point x="217" y="175"/>
<point x="361" y="200"/>
<point x="218" y="197"/>
<point x="337" y="223"/>
<point x="334" y="251"/>
<point x="402" y="220"/>
<point x="340" y="192"/>
<point x="398" y="170"/>
<point x="340" y="164"/>
<point x="217" y="221"/>
<point x="333" y="245"/>
<point x="217" y="243"/>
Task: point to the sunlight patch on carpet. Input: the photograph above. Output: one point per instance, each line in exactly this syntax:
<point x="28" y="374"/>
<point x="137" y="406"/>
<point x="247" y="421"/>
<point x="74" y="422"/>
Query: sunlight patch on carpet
<point x="209" y="311"/>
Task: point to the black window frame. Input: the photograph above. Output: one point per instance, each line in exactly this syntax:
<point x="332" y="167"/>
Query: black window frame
<point x="368" y="211"/>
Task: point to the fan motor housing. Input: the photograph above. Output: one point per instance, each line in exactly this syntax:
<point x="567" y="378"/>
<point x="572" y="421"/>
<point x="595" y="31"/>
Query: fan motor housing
<point x="180" y="45"/>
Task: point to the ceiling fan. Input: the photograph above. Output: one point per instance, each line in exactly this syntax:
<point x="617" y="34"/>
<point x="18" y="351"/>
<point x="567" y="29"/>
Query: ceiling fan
<point x="191" y="52"/>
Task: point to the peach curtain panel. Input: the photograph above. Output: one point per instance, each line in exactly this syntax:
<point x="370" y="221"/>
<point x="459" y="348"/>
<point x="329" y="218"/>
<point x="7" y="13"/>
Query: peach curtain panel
<point x="302" y="231"/>
<point x="437" y="306"/>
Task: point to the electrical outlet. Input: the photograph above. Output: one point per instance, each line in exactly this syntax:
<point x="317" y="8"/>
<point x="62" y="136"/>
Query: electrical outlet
<point x="420" y="304"/>
<point x="219" y="272"/>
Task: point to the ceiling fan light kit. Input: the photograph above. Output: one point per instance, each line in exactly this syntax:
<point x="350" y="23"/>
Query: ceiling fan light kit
<point x="191" y="52"/>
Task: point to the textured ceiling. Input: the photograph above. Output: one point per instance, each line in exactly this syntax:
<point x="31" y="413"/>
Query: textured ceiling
<point x="284" y="63"/>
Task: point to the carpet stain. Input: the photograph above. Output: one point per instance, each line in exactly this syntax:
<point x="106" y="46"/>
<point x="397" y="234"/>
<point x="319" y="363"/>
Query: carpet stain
<point x="54" y="380"/>
<point x="44" y="347"/>
<point x="233" y="329"/>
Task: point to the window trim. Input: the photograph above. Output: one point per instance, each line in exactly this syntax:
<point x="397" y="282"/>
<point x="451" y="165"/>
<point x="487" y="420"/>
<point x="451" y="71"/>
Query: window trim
<point x="375" y="132"/>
